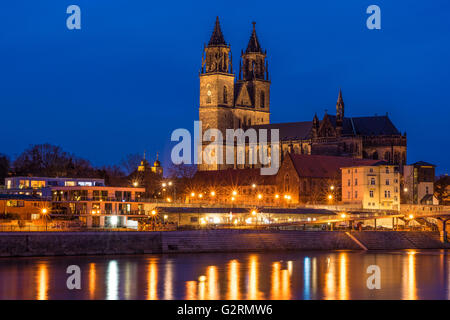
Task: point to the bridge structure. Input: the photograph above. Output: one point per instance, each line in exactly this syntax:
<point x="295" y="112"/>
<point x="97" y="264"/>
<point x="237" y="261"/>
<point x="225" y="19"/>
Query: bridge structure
<point x="327" y="214"/>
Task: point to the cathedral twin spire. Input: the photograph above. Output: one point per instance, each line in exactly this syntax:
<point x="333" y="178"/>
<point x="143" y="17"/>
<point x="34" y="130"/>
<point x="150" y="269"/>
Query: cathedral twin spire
<point x="217" y="38"/>
<point x="253" y="65"/>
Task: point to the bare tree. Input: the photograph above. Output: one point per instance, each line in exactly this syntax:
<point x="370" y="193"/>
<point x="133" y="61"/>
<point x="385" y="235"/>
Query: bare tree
<point x="130" y="163"/>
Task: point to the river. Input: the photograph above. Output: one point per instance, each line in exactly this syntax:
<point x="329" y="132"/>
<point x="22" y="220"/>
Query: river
<point x="282" y="275"/>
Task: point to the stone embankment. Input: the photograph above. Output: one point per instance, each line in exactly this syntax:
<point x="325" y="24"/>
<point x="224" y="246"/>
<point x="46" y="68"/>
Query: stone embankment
<point x="111" y="243"/>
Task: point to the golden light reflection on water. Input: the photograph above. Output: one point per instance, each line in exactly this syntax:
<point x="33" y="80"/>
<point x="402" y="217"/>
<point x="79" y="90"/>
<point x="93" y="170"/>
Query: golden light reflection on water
<point x="233" y="280"/>
<point x="330" y="291"/>
<point x="92" y="276"/>
<point x="42" y="282"/>
<point x="343" y="285"/>
<point x="152" y="279"/>
<point x="191" y="290"/>
<point x="409" y="277"/>
<point x="213" y="285"/>
<point x="252" y="289"/>
<point x="168" y="281"/>
<point x="337" y="275"/>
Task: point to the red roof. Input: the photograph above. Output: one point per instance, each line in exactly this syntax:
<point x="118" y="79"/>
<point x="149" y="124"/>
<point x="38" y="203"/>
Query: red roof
<point x="316" y="166"/>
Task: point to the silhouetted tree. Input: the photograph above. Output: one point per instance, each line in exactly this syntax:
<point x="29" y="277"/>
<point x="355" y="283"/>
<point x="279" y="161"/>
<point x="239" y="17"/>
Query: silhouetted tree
<point x="4" y="167"/>
<point x="441" y="187"/>
<point x="52" y="161"/>
<point x="130" y="163"/>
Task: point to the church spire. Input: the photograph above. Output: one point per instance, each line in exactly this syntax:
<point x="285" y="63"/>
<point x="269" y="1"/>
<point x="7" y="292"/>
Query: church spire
<point x="217" y="38"/>
<point x="340" y="106"/>
<point x="253" y="43"/>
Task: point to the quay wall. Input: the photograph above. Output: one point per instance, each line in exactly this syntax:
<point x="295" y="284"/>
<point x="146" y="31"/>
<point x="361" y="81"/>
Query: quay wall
<point x="111" y="243"/>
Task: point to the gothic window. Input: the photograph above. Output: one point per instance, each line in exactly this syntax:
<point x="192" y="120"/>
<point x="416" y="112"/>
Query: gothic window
<point x="387" y="155"/>
<point x="225" y="95"/>
<point x="262" y="97"/>
<point x="396" y="157"/>
<point x="375" y="156"/>
<point x="286" y="183"/>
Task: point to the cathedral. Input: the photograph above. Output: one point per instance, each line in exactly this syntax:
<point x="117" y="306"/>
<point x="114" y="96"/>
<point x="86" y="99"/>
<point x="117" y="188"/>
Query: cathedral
<point x="230" y="103"/>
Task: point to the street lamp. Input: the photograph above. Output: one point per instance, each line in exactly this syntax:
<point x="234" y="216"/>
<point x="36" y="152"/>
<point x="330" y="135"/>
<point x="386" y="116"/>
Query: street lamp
<point x="44" y="212"/>
<point x="135" y="184"/>
<point x="213" y="193"/>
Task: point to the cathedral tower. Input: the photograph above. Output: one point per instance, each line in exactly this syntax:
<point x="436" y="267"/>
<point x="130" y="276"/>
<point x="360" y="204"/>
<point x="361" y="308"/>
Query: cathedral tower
<point x="216" y="83"/>
<point x="253" y="85"/>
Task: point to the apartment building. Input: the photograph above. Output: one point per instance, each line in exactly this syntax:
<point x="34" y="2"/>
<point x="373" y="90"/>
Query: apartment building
<point x="372" y="187"/>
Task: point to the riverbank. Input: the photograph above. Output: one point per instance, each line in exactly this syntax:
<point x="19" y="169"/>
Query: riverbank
<point x="23" y="244"/>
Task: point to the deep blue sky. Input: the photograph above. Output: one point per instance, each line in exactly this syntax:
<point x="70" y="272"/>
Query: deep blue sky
<point x="129" y="77"/>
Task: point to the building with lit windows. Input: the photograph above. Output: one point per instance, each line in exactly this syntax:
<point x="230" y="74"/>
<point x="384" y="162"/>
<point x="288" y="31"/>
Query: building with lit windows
<point x="419" y="183"/>
<point x="374" y="186"/>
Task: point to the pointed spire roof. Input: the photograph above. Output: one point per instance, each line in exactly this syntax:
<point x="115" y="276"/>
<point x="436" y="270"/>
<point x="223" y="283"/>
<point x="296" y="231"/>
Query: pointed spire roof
<point x="253" y="43"/>
<point x="340" y="100"/>
<point x="217" y="38"/>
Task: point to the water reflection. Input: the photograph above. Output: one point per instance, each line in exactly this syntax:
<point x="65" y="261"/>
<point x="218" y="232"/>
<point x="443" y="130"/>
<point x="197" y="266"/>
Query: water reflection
<point x="409" y="277"/>
<point x="296" y="275"/>
<point x="152" y="280"/>
<point x="92" y="277"/>
<point x="112" y="281"/>
<point x="233" y="280"/>
<point x="42" y="281"/>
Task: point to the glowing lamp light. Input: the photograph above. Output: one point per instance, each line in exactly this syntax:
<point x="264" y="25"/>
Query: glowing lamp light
<point x="170" y="183"/>
<point x="405" y="189"/>
<point x="260" y="196"/>
<point x="332" y="187"/>
<point x="309" y="219"/>
<point x="253" y="186"/>
<point x="200" y="195"/>
<point x="235" y="221"/>
<point x="202" y="278"/>
<point x="153" y="212"/>
<point x="234" y="193"/>
<point x="169" y="200"/>
<point x="135" y="184"/>
<point x="164" y="184"/>
<point x="44" y="211"/>
<point x="343" y="216"/>
<point x="254" y="213"/>
<point x="277" y="196"/>
<point x="233" y="198"/>
<point x="411" y="216"/>
<point x="330" y="197"/>
<point x="213" y="193"/>
<point x="166" y="217"/>
<point x="202" y="221"/>
<point x="192" y="194"/>
<point x="114" y="221"/>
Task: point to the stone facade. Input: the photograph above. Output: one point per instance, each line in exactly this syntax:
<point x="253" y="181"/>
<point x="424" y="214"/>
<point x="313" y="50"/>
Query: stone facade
<point x="245" y="103"/>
